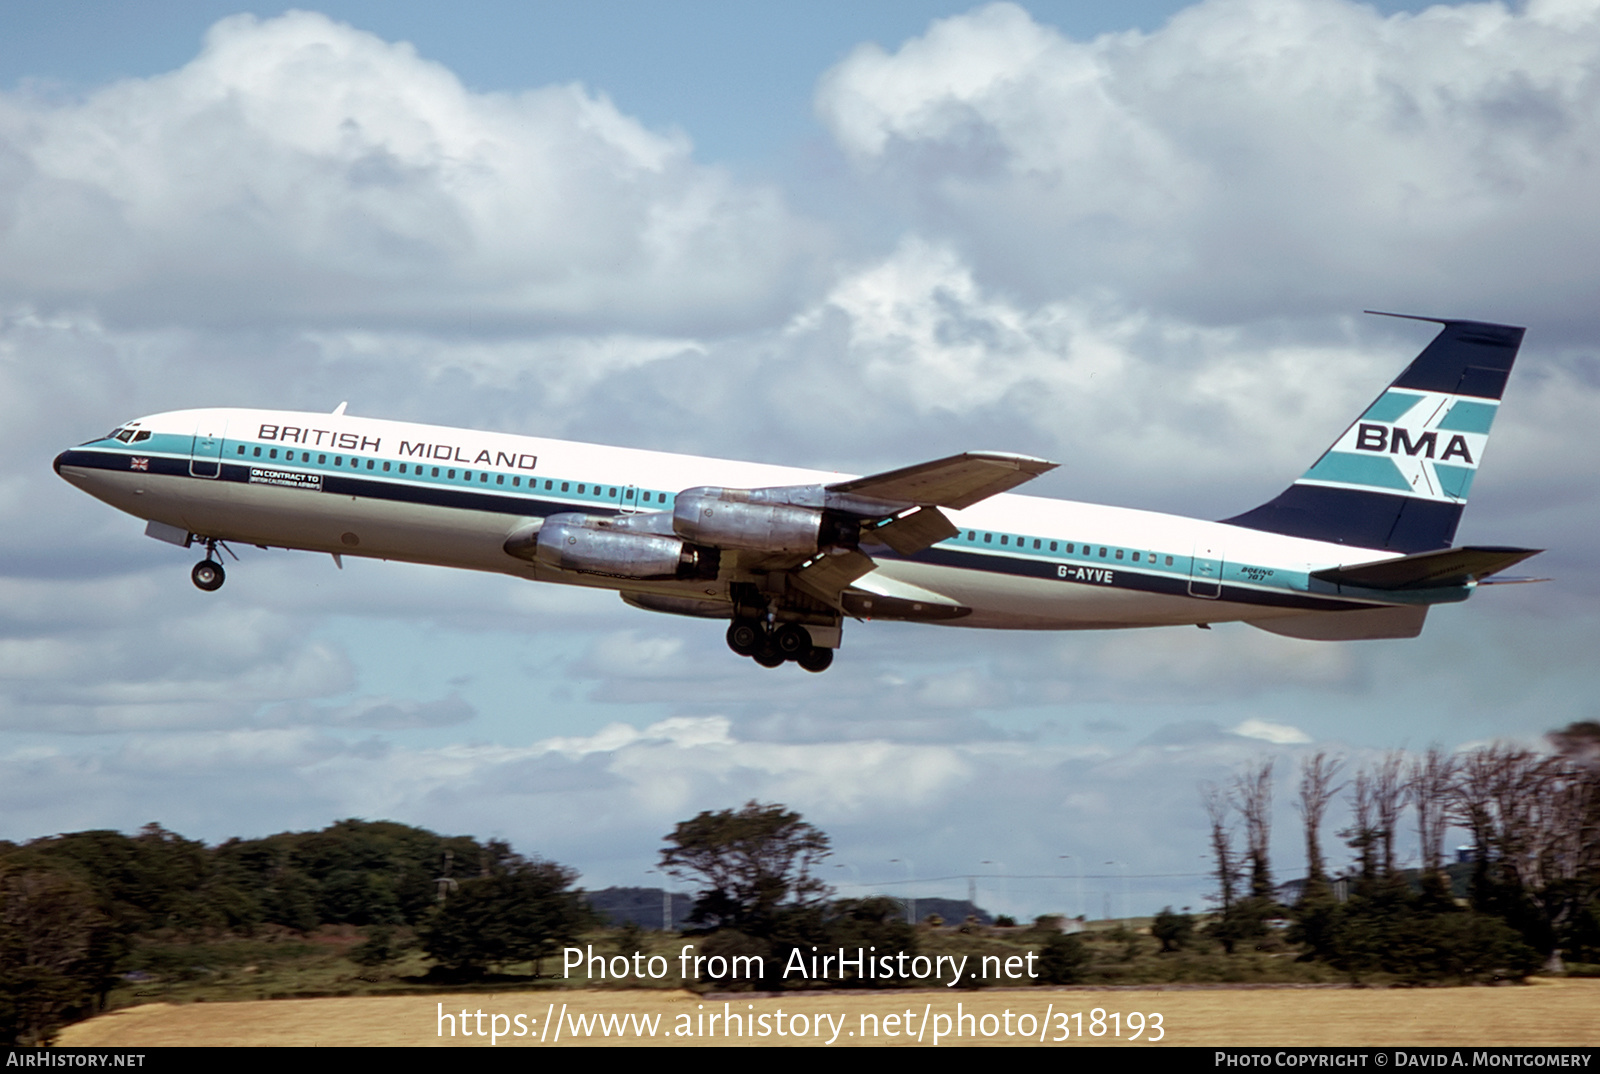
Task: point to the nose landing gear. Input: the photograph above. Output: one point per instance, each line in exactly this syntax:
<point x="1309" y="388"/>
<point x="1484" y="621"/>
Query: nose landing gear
<point x="208" y="573"/>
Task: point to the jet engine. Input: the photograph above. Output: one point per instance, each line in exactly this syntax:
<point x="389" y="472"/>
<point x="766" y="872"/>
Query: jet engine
<point x="593" y="545"/>
<point x="756" y="520"/>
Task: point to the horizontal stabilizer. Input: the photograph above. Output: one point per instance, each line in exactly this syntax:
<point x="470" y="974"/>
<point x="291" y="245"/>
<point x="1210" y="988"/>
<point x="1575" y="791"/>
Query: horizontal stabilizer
<point x="1427" y="570"/>
<point x="957" y="482"/>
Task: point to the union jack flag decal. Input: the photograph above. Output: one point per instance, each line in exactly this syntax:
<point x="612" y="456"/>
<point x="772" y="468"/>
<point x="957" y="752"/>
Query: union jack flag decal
<point x="139" y="464"/>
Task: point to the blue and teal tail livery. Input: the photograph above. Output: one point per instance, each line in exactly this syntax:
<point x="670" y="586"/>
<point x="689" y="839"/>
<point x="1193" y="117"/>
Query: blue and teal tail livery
<point x="1399" y="476"/>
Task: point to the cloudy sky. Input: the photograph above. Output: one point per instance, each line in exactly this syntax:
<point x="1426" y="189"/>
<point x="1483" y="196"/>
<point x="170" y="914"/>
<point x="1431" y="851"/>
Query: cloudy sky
<point x="1133" y="238"/>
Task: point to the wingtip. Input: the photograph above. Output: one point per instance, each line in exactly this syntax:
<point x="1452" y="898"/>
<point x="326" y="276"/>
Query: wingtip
<point x="1029" y="463"/>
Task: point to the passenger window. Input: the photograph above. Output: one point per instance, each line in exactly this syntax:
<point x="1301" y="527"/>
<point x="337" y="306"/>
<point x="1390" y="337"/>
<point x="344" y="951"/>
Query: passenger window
<point x="435" y="472"/>
<point x="1072" y="546"/>
<point x="385" y="467"/>
<point x="369" y="464"/>
<point x="613" y="494"/>
<point x="1169" y="561"/>
<point x="499" y="479"/>
<point x="565" y="485"/>
<point x="1036" y="542"/>
<point x="338" y="460"/>
<point x="1052" y="546"/>
<point x="402" y="468"/>
<point x="451" y="475"/>
<point x="467" y="476"/>
<point x="1102" y="553"/>
<point x="1119" y="553"/>
<point x="1136" y="557"/>
<point x="484" y="477"/>
<point x="241" y="449"/>
<point x="273" y="454"/>
<point x="1004" y="538"/>
<point x="988" y="538"/>
<point x="971" y="536"/>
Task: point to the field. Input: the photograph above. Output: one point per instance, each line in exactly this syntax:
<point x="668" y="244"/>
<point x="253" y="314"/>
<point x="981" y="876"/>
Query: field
<point x="1544" y="1012"/>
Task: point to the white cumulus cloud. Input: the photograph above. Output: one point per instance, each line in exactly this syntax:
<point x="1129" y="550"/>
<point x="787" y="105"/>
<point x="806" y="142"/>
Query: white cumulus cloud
<point x="301" y="169"/>
<point x="1252" y="157"/>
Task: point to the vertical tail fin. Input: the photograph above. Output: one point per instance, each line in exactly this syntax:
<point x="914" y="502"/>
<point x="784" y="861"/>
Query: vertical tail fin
<point x="1399" y="476"/>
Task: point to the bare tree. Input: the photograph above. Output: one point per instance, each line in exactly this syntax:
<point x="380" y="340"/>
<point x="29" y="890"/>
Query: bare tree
<point x="1362" y="836"/>
<point x="1227" y="869"/>
<point x="1388" y="799"/>
<point x="1218" y="807"/>
<point x="1536" y="828"/>
<point x="1253" y="796"/>
<point x="1429" y="789"/>
<point x="1317" y="789"/>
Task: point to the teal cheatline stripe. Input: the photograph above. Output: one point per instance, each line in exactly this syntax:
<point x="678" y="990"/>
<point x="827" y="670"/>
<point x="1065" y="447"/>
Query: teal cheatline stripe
<point x="1373" y="471"/>
<point x="1454" y="480"/>
<point x="1390" y="405"/>
<point x="1469" y="417"/>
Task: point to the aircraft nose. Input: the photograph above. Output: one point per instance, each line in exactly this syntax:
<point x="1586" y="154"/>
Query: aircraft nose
<point x="57" y="463"/>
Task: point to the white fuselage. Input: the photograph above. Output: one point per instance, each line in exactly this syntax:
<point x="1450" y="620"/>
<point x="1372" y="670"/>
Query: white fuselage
<point x="394" y="490"/>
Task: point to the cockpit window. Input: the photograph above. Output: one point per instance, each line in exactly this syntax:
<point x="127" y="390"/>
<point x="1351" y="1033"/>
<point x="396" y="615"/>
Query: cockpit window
<point x="128" y="434"/>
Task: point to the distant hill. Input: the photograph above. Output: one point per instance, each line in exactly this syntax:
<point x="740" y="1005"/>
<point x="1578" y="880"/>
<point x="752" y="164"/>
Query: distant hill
<point x="641" y="906"/>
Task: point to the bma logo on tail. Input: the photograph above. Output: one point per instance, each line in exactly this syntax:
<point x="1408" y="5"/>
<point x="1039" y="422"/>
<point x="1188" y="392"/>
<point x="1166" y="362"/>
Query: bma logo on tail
<point x="1421" y="444"/>
<point x="1381" y="438"/>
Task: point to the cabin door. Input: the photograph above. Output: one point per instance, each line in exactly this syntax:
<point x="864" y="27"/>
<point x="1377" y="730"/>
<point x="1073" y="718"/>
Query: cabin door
<point x="205" y="460"/>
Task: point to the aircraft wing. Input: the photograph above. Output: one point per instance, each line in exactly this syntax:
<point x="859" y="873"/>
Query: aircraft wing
<point x="957" y="482"/>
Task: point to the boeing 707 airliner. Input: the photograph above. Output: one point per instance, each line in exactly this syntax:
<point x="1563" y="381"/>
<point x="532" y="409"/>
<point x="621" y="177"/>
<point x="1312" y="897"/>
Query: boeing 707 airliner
<point x="1360" y="546"/>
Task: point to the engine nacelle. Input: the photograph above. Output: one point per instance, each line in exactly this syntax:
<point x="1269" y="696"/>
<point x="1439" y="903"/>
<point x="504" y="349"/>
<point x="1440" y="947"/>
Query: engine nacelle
<point x="590" y="545"/>
<point x="738" y="518"/>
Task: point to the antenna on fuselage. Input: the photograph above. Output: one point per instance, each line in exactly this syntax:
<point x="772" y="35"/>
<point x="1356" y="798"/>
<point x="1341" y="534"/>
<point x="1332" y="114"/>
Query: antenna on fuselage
<point x="338" y="410"/>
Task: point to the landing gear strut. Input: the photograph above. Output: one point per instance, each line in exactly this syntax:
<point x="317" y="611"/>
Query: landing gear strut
<point x="771" y="647"/>
<point x="208" y="573"/>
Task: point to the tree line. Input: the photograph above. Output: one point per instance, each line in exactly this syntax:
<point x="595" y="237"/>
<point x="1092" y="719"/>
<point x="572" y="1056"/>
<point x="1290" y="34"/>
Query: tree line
<point x="1529" y="896"/>
<point x="76" y="908"/>
<point x="73" y="907"/>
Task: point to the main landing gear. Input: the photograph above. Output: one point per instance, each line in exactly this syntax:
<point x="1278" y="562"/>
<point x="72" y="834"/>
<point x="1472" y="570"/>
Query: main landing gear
<point x="771" y="647"/>
<point x="208" y="573"/>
